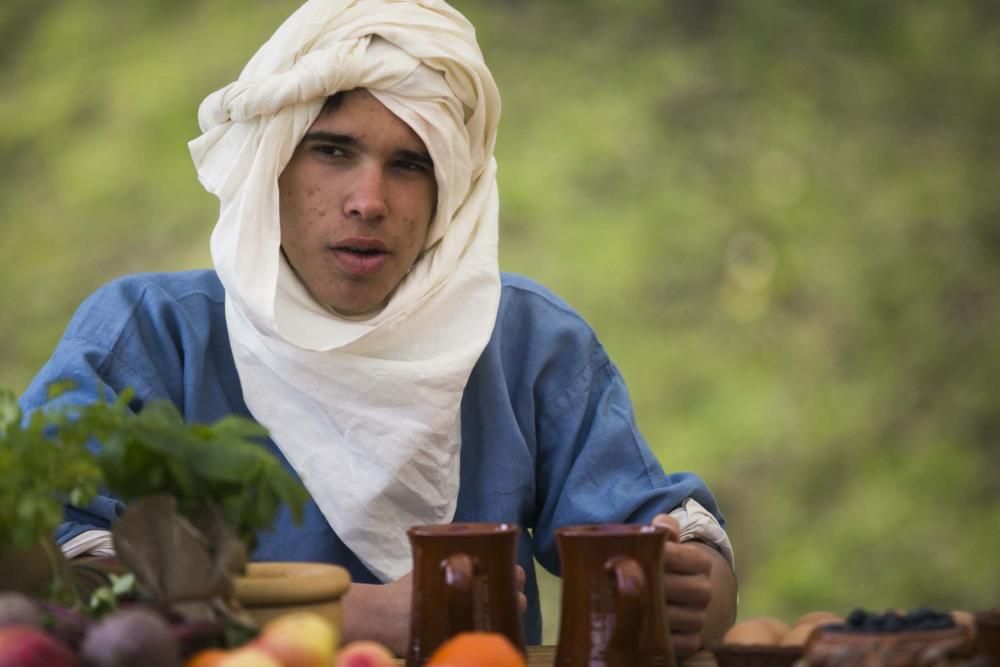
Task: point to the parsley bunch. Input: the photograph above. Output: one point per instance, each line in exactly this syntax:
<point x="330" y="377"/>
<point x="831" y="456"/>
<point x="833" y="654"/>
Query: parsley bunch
<point x="46" y="461"/>
<point x="40" y="472"/>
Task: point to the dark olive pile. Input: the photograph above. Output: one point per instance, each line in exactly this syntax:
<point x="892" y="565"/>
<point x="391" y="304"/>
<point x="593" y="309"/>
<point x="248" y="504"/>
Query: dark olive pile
<point x="860" y="620"/>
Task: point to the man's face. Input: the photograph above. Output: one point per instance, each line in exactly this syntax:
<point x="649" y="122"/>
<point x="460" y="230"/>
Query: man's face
<point x="356" y="201"/>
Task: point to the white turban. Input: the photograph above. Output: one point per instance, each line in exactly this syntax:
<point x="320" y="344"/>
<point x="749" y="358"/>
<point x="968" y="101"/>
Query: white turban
<point x="367" y="412"/>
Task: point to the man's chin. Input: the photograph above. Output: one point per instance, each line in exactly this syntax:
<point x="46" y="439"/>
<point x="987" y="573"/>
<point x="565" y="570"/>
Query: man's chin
<point x="356" y="308"/>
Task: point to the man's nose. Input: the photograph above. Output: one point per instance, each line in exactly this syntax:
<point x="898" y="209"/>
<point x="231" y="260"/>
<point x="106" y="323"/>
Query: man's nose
<point x="367" y="198"/>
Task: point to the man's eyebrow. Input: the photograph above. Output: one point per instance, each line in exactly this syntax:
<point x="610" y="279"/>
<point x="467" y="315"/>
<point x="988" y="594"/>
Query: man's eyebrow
<point x="331" y="137"/>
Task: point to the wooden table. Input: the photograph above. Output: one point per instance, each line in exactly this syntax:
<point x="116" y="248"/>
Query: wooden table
<point x="545" y="656"/>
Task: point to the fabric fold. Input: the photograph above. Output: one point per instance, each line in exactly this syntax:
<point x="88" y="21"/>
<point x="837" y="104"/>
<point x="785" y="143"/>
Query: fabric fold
<point x="366" y="411"/>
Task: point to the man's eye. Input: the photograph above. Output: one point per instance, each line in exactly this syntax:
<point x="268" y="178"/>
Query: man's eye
<point x="411" y="165"/>
<point x="328" y="150"/>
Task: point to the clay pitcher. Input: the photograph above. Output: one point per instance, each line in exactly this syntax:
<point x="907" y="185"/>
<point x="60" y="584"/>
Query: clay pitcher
<point x="463" y="580"/>
<point x="613" y="612"/>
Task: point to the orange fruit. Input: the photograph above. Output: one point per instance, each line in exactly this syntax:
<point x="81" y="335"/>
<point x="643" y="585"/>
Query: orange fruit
<point x="206" y="658"/>
<point x="477" y="649"/>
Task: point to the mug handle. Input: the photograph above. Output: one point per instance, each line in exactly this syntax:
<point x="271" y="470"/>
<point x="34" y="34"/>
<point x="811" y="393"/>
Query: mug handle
<point x="458" y="573"/>
<point x="630" y="591"/>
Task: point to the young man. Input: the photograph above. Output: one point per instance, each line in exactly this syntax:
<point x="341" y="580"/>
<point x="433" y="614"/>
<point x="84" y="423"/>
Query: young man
<point x="356" y="310"/>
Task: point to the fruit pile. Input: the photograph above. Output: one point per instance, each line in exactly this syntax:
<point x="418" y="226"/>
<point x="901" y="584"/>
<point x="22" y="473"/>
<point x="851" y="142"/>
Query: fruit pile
<point x="769" y="631"/>
<point x="41" y="634"/>
<point x="860" y="620"/>
<point x="296" y="639"/>
<point x="34" y="633"/>
<point x="922" y="637"/>
<point x="823" y="639"/>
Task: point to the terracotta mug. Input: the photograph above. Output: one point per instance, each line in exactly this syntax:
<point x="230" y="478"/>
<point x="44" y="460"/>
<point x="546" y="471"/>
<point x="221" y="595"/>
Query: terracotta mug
<point x="463" y="580"/>
<point x="988" y="633"/>
<point x="613" y="612"/>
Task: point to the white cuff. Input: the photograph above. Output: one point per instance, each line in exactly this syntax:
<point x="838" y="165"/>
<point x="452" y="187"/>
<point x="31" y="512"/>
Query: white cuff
<point x="89" y="543"/>
<point x="697" y="523"/>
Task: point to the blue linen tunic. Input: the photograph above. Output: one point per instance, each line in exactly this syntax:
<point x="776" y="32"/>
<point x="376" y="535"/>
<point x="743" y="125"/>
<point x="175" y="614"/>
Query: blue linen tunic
<point x="548" y="434"/>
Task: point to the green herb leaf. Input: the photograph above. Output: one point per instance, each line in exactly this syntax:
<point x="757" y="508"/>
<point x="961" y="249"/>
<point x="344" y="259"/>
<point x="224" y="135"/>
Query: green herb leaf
<point x="68" y="451"/>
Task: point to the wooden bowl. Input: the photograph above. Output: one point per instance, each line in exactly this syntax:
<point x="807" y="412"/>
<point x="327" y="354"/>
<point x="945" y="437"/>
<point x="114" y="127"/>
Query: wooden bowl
<point x="272" y="589"/>
<point x="756" y="655"/>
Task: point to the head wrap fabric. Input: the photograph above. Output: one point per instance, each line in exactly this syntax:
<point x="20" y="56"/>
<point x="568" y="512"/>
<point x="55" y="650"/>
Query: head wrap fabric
<point x="366" y="411"/>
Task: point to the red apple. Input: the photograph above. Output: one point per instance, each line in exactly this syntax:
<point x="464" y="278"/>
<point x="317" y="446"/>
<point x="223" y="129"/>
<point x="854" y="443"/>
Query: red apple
<point x="365" y="654"/>
<point x="299" y="639"/>
<point x="26" y="646"/>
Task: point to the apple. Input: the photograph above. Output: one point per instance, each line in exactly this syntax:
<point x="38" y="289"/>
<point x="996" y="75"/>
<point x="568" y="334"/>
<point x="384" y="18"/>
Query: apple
<point x="299" y="639"/>
<point x="365" y="654"/>
<point x="248" y="656"/>
<point x="27" y="646"/>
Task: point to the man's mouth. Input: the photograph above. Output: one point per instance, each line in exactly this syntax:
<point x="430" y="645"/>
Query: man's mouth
<point x="369" y="252"/>
<point x="361" y="256"/>
<point x="362" y="246"/>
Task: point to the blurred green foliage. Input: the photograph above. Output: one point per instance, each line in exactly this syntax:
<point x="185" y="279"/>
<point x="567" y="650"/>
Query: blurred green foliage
<point x="782" y="218"/>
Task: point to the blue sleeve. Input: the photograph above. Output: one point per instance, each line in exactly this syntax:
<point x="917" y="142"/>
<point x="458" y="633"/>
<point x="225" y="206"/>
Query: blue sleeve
<point x="90" y="355"/>
<point x="80" y="362"/>
<point x="593" y="465"/>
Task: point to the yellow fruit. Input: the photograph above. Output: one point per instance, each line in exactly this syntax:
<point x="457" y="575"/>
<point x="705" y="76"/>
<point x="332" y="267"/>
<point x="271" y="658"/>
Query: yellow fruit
<point x="299" y="639"/>
<point x="248" y="656"/>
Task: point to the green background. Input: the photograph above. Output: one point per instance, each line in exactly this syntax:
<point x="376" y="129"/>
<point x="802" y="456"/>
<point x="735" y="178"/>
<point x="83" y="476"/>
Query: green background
<point x="781" y="218"/>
